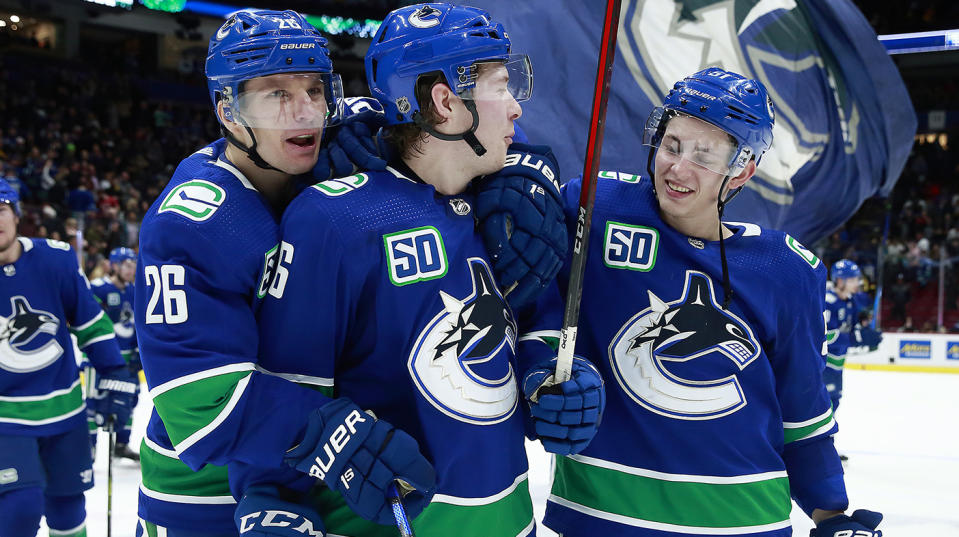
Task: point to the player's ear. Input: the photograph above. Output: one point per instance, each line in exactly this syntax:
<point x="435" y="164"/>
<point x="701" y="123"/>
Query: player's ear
<point x="235" y="128"/>
<point x="444" y="100"/>
<point x="740" y="180"/>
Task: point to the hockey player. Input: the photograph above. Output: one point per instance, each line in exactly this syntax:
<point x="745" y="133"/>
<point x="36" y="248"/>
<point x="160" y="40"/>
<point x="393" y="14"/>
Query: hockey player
<point x="208" y="246"/>
<point x="712" y="337"/>
<point x="115" y="295"/>
<point x="387" y="284"/>
<point x="45" y="462"/>
<point x="841" y="315"/>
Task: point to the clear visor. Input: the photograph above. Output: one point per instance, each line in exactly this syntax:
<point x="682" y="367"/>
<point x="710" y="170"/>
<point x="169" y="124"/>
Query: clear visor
<point x="290" y="101"/>
<point x="686" y="138"/>
<point x="500" y="81"/>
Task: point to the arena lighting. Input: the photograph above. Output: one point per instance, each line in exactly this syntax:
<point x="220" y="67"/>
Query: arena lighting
<point x="170" y="6"/>
<point x="325" y="24"/>
<point x="2" y="23"/>
<point x="14" y="18"/>
<point x="921" y="41"/>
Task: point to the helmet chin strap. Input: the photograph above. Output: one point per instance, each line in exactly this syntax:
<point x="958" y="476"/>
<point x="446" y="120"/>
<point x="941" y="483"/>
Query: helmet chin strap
<point x="468" y="136"/>
<point x="720" y="206"/>
<point x="251" y="150"/>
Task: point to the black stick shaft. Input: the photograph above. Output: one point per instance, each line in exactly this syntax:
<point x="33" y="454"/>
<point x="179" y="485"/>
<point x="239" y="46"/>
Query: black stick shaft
<point x="594" y="146"/>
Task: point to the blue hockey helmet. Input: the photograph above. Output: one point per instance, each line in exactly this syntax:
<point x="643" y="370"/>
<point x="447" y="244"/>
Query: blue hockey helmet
<point x="844" y="269"/>
<point x="121" y="254"/>
<point x="10" y="196"/>
<point x="428" y="38"/>
<point x="253" y="44"/>
<point x="738" y="105"/>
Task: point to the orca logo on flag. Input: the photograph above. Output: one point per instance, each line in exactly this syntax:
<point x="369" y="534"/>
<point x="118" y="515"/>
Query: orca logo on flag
<point x="28" y="338"/>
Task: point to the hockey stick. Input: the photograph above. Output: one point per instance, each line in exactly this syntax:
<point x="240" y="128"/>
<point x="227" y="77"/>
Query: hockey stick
<point x="111" y="445"/>
<point x="399" y="513"/>
<point x="594" y="146"/>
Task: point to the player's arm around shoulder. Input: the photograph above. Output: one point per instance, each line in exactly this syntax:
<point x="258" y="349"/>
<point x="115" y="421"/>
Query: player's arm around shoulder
<point x="198" y="339"/>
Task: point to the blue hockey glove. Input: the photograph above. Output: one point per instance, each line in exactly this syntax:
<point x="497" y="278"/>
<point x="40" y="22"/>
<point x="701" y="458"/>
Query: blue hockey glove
<point x="521" y="219"/>
<point x="118" y="389"/>
<point x="353" y="144"/>
<point x="565" y="416"/>
<point x="360" y="456"/>
<point x="862" y="523"/>
<point x="262" y="512"/>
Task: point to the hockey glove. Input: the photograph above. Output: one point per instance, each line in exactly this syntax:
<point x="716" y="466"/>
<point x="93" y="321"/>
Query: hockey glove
<point x="565" y="416"/>
<point x="862" y="523"/>
<point x="360" y="456"/>
<point x="521" y="220"/>
<point x="117" y="395"/>
<point x="262" y="512"/>
<point x="353" y="144"/>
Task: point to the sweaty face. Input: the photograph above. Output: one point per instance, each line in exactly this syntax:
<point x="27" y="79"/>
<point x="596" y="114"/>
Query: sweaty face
<point x="686" y="188"/>
<point x="287" y="113"/>
<point x="497" y="109"/>
<point x="8" y="226"/>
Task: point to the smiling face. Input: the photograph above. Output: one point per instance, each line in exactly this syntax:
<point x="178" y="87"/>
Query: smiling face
<point x="689" y="170"/>
<point x="287" y="113"/>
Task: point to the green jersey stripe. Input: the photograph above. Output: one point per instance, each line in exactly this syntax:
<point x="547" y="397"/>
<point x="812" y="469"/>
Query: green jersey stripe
<point x="189" y="418"/>
<point x="838" y="361"/>
<point x="504" y="515"/>
<point x="164" y="475"/>
<point x="710" y="505"/>
<point x="812" y="421"/>
<point x="200" y="375"/>
<point x="99" y="329"/>
<point x="639" y="523"/>
<point x="43" y="409"/>
<point x="801" y="431"/>
<point x="78" y="531"/>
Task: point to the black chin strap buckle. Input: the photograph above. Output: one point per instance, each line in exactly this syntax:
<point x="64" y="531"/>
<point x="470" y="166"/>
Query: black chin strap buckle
<point x="468" y="136"/>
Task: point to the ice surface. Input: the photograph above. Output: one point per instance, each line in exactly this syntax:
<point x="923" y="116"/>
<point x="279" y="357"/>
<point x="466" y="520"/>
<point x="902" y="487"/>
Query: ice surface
<point x="900" y="431"/>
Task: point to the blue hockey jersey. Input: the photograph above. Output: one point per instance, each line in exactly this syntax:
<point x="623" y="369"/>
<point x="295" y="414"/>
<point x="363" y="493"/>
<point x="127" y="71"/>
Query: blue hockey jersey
<point x="704" y="404"/>
<point x="841" y="315"/>
<point x="206" y="248"/>
<point x="385" y="295"/>
<point x="44" y="297"/>
<point x="118" y="303"/>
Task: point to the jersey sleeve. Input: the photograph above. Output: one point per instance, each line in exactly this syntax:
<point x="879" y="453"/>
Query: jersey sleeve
<point x="812" y="463"/>
<point x="198" y="343"/>
<point x="308" y="315"/>
<point x="303" y="321"/>
<point x="87" y="320"/>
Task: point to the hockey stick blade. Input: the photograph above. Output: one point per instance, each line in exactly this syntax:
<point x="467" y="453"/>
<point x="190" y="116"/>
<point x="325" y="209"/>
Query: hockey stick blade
<point x="594" y="146"/>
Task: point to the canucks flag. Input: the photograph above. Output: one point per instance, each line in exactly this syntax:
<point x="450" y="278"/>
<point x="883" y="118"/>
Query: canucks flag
<point x="844" y="121"/>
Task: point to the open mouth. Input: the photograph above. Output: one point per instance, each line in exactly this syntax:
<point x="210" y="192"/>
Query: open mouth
<point x="676" y="187"/>
<point x="303" y="140"/>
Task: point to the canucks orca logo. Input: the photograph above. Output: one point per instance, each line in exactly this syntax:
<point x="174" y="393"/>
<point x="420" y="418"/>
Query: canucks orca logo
<point x="666" y="40"/>
<point x="459" y="363"/>
<point x="124" y="326"/>
<point x="425" y="17"/>
<point x="693" y="327"/>
<point x="28" y="338"/>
